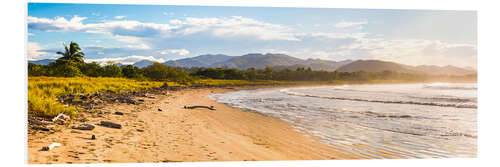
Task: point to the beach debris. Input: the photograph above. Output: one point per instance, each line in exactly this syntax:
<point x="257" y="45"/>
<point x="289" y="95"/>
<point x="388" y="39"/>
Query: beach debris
<point x="36" y="122"/>
<point x="60" y="119"/>
<point x="84" y="120"/>
<point x="51" y="146"/>
<point x="160" y="109"/>
<point x="164" y="86"/>
<point x="93" y="137"/>
<point x="84" y="127"/>
<point x="111" y="124"/>
<point x="40" y="128"/>
<point x="118" y="113"/>
<point x="193" y="107"/>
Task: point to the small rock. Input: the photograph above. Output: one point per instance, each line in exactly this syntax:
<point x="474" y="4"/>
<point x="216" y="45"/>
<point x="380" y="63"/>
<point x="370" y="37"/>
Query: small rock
<point x="160" y="109"/>
<point x="45" y="149"/>
<point x="140" y="130"/>
<point x="118" y="113"/>
<point x="51" y="146"/>
<point x="84" y="120"/>
<point x="93" y="137"/>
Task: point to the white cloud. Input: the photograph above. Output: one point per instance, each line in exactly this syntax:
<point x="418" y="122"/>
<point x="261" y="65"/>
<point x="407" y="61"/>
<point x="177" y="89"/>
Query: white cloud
<point x="139" y="47"/>
<point x="416" y="51"/>
<point x="34" y="51"/>
<point x="233" y="27"/>
<point x="168" y="13"/>
<point x="181" y="52"/>
<point x="339" y="35"/>
<point x="345" y="24"/>
<point x="56" y="24"/>
<point x="125" y="60"/>
<point x="119" y="17"/>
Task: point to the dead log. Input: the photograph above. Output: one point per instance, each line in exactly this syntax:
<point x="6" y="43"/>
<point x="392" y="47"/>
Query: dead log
<point x="194" y="107"/>
<point x="40" y="128"/>
<point x="111" y="124"/>
<point x="36" y="122"/>
<point x="84" y="127"/>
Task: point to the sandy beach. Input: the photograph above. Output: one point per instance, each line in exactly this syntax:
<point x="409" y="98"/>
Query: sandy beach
<point x="176" y="134"/>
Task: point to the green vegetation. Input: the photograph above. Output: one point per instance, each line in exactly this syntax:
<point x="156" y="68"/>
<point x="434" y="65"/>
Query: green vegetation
<point x="43" y="91"/>
<point x="71" y="75"/>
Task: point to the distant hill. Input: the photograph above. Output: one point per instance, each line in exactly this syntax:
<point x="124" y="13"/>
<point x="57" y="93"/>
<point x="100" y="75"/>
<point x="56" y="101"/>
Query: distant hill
<point x="259" y="61"/>
<point x="374" y="66"/>
<point x="326" y="65"/>
<point x="42" y="62"/>
<point x="379" y="66"/>
<point x="282" y="61"/>
<point x="143" y="63"/>
<point x="199" y="61"/>
<point x="446" y="70"/>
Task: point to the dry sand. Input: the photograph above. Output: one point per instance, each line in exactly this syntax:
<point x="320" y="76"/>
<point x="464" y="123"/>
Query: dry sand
<point x="178" y="134"/>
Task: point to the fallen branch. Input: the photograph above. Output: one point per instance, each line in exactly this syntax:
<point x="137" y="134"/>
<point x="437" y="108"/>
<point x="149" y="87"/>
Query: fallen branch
<point x="193" y="107"/>
<point x="111" y="124"/>
<point x="84" y="127"/>
<point x="40" y="128"/>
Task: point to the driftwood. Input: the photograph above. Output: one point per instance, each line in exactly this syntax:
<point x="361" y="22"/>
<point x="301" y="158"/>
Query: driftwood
<point x="40" y="128"/>
<point x="193" y="107"/>
<point x="36" y="122"/>
<point x="111" y="124"/>
<point x="84" y="127"/>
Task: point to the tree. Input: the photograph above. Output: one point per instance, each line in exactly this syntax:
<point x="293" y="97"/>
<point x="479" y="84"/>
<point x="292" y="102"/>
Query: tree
<point x="64" y="68"/>
<point x="252" y="74"/>
<point x="91" y="69"/>
<point x="37" y="70"/>
<point x="161" y="72"/>
<point x="131" y="71"/>
<point x="72" y="53"/>
<point x="268" y="72"/>
<point x="111" y="70"/>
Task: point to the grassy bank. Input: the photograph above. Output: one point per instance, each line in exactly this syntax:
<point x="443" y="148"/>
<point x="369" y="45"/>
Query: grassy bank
<point x="43" y="91"/>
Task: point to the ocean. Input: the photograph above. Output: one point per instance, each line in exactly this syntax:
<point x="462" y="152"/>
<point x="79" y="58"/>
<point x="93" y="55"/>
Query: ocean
<point x="436" y="120"/>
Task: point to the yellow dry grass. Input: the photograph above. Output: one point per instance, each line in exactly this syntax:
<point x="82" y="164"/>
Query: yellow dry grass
<point x="43" y="91"/>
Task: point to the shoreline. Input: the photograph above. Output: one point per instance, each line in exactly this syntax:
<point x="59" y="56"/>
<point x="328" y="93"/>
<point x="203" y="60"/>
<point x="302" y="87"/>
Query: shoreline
<point x="176" y="134"/>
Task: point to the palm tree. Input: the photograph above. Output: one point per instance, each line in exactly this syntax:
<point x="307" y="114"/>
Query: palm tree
<point x="72" y="53"/>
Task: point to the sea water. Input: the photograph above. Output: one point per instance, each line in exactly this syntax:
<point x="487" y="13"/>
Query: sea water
<point x="437" y="120"/>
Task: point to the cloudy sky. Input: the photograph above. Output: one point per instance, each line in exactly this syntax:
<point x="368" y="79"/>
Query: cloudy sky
<point x="129" y="33"/>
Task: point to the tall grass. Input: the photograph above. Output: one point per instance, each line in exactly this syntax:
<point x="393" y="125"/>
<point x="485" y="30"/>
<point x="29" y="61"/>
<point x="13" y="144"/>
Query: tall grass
<point x="43" y="91"/>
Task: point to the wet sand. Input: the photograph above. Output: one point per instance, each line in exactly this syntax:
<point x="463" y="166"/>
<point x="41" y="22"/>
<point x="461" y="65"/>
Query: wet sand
<point x="177" y="134"/>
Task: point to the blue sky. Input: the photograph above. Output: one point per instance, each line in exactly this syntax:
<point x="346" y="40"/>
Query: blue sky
<point x="130" y="33"/>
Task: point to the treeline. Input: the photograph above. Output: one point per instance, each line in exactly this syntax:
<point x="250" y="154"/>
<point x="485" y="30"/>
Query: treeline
<point x="161" y="72"/>
<point x="71" y="64"/>
<point x="302" y="74"/>
<point x="155" y="72"/>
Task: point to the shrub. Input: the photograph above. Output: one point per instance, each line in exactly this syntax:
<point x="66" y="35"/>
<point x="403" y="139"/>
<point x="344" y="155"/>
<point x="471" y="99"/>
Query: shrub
<point x="111" y="70"/>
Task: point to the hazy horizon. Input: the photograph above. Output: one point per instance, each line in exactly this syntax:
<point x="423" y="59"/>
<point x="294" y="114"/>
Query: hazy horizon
<point x="130" y="33"/>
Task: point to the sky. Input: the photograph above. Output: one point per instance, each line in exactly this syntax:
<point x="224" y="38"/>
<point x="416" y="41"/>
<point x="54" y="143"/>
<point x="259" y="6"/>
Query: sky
<point x="130" y="33"/>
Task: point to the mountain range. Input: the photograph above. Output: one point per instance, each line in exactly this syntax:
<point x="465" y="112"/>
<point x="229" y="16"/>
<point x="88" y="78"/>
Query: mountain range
<point x="282" y="61"/>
